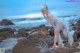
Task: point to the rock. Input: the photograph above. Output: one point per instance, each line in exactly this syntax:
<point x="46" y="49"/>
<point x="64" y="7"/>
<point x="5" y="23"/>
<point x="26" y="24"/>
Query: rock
<point x="6" y="32"/>
<point x="75" y="36"/>
<point x="6" y="22"/>
<point x="76" y="25"/>
<point x="1" y="38"/>
<point x="40" y="44"/>
<point x="66" y="50"/>
<point x="78" y="21"/>
<point x="77" y="52"/>
<point x="33" y="44"/>
<point x="51" y="31"/>
<point x="75" y="45"/>
<point x="62" y="50"/>
<point x="23" y="33"/>
<point x="42" y="29"/>
<point x="78" y="34"/>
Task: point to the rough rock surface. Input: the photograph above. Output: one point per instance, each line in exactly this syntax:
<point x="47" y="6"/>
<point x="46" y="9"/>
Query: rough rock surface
<point x="41" y="29"/>
<point x="39" y="43"/>
<point x="76" y="35"/>
<point x="76" y="27"/>
<point x="33" y="44"/>
<point x="51" y="31"/>
<point x="5" y="32"/>
<point x="22" y="33"/>
<point x="6" y="22"/>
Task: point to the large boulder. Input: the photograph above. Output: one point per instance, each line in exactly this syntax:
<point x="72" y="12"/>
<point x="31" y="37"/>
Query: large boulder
<point x="51" y="31"/>
<point x="41" y="29"/>
<point x="6" y="22"/>
<point x="40" y="44"/>
<point x="33" y="44"/>
<point x="76" y="25"/>
<point x="5" y="32"/>
<point x="76" y="35"/>
<point x="23" y="32"/>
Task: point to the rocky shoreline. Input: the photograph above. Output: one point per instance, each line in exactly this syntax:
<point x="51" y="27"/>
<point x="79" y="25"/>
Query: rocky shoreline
<point x="35" y="40"/>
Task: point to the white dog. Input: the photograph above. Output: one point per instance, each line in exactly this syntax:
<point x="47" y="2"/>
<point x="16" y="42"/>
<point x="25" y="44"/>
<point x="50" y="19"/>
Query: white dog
<point x="58" y="25"/>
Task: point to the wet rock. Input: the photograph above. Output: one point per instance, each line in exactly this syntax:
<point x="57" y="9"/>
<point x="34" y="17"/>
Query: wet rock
<point x="66" y="50"/>
<point x="77" y="52"/>
<point x="63" y="50"/>
<point x="1" y="38"/>
<point x="76" y="25"/>
<point x="75" y="45"/>
<point x="6" y="32"/>
<point x="42" y="29"/>
<point x="78" y="21"/>
<point x="22" y="33"/>
<point x="33" y="44"/>
<point x="51" y="31"/>
<point x="6" y="22"/>
<point x="76" y="35"/>
<point x="40" y="44"/>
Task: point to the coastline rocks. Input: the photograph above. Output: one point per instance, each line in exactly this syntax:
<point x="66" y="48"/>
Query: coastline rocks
<point x="41" y="29"/>
<point x="74" y="45"/>
<point x="22" y="32"/>
<point x="76" y="27"/>
<point x="33" y="44"/>
<point x="51" y="31"/>
<point x="6" y="32"/>
<point x="40" y="44"/>
<point x="6" y="22"/>
<point x="66" y="50"/>
<point x="76" y="36"/>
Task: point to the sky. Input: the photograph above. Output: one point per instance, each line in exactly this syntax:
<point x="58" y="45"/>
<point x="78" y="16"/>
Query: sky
<point x="31" y="7"/>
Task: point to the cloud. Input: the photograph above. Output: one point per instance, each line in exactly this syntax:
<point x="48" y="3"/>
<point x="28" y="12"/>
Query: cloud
<point x="32" y="15"/>
<point x="37" y="15"/>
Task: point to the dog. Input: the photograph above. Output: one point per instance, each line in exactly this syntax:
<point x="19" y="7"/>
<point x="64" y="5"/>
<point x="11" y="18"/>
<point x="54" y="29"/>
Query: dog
<point x="58" y="25"/>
